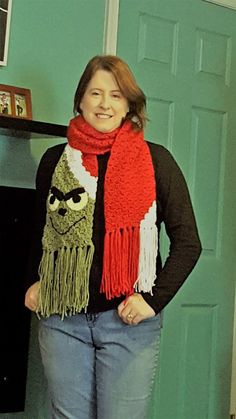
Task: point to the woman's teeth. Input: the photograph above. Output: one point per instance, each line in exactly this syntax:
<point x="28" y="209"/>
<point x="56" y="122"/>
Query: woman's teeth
<point x="103" y="116"/>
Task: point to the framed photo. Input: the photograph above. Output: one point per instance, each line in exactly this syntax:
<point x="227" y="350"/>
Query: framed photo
<point x="5" y="16"/>
<point x="15" y="102"/>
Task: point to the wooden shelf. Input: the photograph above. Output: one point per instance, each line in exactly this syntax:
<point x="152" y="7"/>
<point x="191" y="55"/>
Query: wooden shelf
<point x="25" y="125"/>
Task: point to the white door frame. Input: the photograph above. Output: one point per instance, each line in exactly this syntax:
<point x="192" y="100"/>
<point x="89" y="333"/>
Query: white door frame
<point x="233" y="380"/>
<point x="111" y="27"/>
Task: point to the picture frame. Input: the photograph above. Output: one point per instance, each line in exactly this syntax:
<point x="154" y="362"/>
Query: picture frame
<point x="15" y="102"/>
<point x="5" y="18"/>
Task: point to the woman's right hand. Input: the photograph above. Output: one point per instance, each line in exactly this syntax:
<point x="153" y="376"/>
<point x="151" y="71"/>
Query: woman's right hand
<point x="31" y="296"/>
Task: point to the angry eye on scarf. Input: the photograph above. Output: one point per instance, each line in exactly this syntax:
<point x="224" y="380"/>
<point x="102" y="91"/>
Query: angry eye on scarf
<point x="78" y="202"/>
<point x="76" y="199"/>
<point x="53" y="202"/>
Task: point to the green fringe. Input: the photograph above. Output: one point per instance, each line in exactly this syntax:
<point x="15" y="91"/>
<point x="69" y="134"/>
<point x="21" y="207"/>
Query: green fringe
<point x="64" y="281"/>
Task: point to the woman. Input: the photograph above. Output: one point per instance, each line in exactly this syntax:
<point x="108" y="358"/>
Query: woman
<point x="100" y="287"/>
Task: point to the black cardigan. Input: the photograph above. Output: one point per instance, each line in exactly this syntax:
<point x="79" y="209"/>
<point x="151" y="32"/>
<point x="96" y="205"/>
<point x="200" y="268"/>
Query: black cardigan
<point x="174" y="209"/>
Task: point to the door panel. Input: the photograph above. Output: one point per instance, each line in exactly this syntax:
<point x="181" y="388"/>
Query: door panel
<point x="184" y="57"/>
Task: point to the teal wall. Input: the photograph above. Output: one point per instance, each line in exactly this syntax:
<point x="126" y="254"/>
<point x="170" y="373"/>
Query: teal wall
<point x="50" y="43"/>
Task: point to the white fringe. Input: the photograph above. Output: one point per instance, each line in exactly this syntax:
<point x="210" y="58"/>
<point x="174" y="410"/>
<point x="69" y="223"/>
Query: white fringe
<point x="148" y="251"/>
<point x="89" y="182"/>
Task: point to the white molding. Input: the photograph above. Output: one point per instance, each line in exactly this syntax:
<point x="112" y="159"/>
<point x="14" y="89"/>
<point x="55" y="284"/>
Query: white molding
<point x="111" y="26"/>
<point x="4" y="62"/>
<point x="233" y="379"/>
<point x="225" y="3"/>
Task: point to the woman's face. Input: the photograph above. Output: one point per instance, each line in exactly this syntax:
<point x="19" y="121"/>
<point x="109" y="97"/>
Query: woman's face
<point x="103" y="106"/>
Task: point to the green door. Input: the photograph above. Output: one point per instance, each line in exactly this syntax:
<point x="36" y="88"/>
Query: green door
<point x="183" y="53"/>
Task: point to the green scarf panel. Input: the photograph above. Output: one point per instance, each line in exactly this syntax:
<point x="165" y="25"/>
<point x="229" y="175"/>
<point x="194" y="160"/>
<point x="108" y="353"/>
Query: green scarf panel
<point x="67" y="246"/>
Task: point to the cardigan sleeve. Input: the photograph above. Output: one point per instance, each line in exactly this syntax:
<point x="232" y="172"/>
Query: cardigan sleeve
<point x="43" y="183"/>
<point x="176" y="212"/>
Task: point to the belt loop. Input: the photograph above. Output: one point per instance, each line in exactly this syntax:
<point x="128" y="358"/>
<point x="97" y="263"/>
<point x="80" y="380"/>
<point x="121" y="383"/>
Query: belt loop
<point x="91" y="317"/>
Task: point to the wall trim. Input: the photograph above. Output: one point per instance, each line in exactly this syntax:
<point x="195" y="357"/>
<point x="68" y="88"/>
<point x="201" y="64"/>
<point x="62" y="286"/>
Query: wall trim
<point x="233" y="379"/>
<point x="6" y="35"/>
<point x="111" y="27"/>
<point x="225" y="3"/>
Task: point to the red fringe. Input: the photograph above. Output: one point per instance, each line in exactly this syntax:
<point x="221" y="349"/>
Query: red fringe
<point x="120" y="262"/>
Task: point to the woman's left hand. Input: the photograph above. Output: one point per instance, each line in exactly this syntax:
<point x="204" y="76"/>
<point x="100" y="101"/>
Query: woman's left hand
<point x="134" y="309"/>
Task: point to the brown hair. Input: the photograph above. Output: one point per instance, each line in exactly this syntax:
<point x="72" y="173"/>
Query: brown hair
<point x="126" y="82"/>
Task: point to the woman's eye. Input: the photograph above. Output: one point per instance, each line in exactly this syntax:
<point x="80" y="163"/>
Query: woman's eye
<point x="116" y="96"/>
<point x="95" y="93"/>
<point x="78" y="202"/>
<point x="53" y="202"/>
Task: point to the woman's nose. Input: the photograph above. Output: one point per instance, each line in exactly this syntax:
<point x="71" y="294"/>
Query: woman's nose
<point x="105" y="103"/>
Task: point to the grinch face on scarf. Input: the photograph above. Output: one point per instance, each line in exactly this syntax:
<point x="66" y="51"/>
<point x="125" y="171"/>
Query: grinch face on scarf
<point x="69" y="210"/>
<point x="66" y="209"/>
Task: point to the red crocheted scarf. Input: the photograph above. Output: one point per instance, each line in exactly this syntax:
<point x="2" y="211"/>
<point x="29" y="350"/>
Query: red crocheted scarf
<point x="130" y="245"/>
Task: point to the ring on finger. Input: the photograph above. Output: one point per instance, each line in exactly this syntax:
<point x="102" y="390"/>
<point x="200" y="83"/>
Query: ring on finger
<point x="130" y="316"/>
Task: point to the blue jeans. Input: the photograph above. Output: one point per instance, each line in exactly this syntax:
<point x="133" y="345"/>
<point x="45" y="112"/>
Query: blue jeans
<point x="98" y="367"/>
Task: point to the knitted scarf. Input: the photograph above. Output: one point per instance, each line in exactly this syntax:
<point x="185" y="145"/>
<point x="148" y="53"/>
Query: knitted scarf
<point x="130" y="243"/>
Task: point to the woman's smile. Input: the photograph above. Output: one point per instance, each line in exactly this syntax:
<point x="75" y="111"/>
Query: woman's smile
<point x="103" y="116"/>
